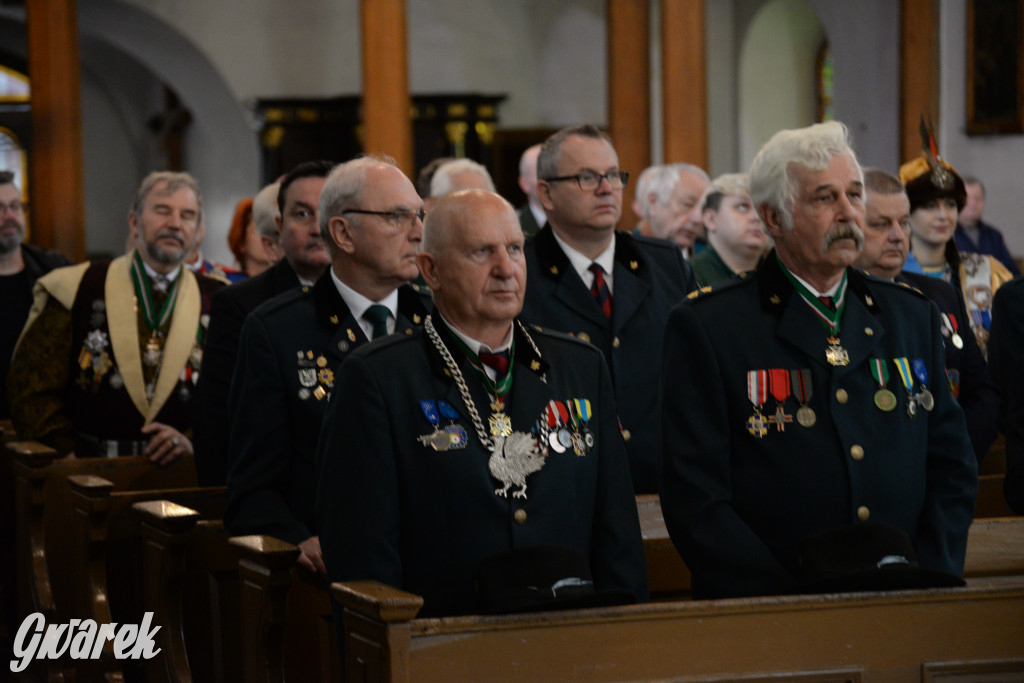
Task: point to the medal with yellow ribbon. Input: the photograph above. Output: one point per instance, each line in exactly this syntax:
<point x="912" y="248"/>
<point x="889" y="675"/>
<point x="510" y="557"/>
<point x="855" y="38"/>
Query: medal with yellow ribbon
<point x="908" y="382"/>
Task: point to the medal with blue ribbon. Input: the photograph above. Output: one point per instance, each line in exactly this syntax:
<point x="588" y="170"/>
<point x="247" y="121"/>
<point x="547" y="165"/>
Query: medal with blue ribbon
<point x="908" y="382"/>
<point x="456" y="432"/>
<point x="924" y="397"/>
<point x="438" y="439"/>
<point x="884" y="399"/>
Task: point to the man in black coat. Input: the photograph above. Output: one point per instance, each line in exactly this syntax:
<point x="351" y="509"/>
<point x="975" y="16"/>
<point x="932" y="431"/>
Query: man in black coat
<point x="623" y="309"/>
<point x="305" y="260"/>
<point x="291" y="347"/>
<point x="886" y="244"/>
<point x="786" y="416"/>
<point x="474" y="436"/>
<point x="20" y="266"/>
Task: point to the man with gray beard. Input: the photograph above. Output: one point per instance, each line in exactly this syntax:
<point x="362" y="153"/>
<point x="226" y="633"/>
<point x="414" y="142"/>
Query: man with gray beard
<point x="20" y="266"/>
<point x="109" y="357"/>
<point x="806" y="407"/>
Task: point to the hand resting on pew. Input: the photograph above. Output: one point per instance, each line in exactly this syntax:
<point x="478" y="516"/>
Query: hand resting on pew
<point x="311" y="559"/>
<point x="166" y="444"/>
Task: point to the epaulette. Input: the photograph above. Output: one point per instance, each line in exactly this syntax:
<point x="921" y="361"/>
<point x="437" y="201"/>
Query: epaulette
<point x="706" y="289"/>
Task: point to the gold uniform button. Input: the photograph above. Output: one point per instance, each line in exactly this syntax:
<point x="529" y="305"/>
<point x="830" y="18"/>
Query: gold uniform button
<point x="868" y="331"/>
<point x="626" y="435"/>
<point x="863" y="513"/>
<point x="842" y="396"/>
<point x="520" y="516"/>
<point x="583" y="336"/>
<point x="856" y="452"/>
<point x="616" y="343"/>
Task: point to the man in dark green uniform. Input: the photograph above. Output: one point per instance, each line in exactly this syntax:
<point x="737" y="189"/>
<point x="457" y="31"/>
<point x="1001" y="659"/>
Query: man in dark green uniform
<point x="474" y="436"/>
<point x="291" y="346"/>
<point x="736" y="237"/>
<point x="609" y="288"/>
<point x="808" y="397"/>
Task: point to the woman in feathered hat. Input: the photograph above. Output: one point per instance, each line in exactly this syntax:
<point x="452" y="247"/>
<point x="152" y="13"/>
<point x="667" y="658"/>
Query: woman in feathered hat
<point x="937" y="195"/>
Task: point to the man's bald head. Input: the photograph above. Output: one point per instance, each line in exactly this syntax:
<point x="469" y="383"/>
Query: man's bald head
<point x="472" y="258"/>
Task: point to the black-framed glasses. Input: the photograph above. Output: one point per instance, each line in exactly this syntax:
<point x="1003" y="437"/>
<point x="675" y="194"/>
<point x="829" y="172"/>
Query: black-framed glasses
<point x="589" y="180"/>
<point x="399" y="217"/>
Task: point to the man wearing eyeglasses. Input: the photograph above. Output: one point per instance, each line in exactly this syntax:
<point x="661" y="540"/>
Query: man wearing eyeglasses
<point x="609" y="288"/>
<point x="20" y="266"/>
<point x="371" y="219"/>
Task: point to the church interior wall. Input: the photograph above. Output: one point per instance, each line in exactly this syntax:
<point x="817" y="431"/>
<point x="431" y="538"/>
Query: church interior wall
<point x="550" y="59"/>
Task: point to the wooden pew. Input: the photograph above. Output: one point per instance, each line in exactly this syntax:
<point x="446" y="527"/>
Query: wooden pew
<point x="107" y="550"/>
<point x="668" y="577"/>
<point x="45" y="573"/>
<point x="289" y="630"/>
<point x="970" y="633"/>
<point x="991" y="499"/>
<point x="995" y="556"/>
<point x="191" y="586"/>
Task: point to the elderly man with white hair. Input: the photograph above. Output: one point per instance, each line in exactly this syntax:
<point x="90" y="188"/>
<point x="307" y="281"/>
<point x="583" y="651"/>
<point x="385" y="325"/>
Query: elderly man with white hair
<point x="809" y="398"/>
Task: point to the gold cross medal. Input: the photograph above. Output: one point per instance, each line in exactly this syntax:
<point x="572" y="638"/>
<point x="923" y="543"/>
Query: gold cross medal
<point x="835" y="354"/>
<point x="500" y="424"/>
<point x="757" y="392"/>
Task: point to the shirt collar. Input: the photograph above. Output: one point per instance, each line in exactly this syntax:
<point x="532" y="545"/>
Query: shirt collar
<point x="581" y="264"/>
<point x="831" y="291"/>
<point x="152" y="274"/>
<point x="357" y="303"/>
<point x="478" y="347"/>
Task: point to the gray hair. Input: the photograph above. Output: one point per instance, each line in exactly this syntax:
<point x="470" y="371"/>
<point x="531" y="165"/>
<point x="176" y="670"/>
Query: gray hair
<point x="265" y="211"/>
<point x="174" y="181"/>
<point x="657" y="180"/>
<point x="551" y="150"/>
<point x="342" y="189"/>
<point x="725" y="185"/>
<point x="771" y="174"/>
<point x="443" y="181"/>
<point x="882" y="182"/>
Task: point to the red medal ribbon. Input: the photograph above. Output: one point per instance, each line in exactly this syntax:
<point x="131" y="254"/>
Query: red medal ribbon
<point x="779" y="379"/>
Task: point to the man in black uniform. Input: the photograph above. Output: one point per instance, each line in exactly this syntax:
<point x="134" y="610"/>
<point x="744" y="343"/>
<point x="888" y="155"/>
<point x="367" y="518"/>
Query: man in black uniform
<point x="810" y="398"/>
<point x="305" y="260"/>
<point x="474" y="436"/>
<point x="886" y="244"/>
<point x="611" y="289"/>
<point x="291" y="346"/>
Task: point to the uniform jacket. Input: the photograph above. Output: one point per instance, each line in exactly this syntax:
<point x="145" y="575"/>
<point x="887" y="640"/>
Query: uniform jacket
<point x="966" y="367"/>
<point x="650" y="277"/>
<point x="527" y="221"/>
<point x="78" y="366"/>
<point x="290" y="350"/>
<point x="228" y="311"/>
<point x="1013" y="485"/>
<point x="1006" y="342"/>
<point x="395" y="510"/>
<point x="736" y="506"/>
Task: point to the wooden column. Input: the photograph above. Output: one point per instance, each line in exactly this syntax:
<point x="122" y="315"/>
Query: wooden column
<point x="629" y="92"/>
<point x="55" y="161"/>
<point x="684" y="81"/>
<point x="387" y="125"/>
<point x="919" y="72"/>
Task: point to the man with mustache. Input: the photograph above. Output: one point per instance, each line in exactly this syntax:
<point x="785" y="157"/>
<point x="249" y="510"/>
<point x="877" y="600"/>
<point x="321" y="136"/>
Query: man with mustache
<point x="370" y="217"/>
<point x="612" y="289"/>
<point x="305" y="260"/>
<point x="109" y="357"/>
<point x="808" y="398"/>
<point x="20" y="266"/>
<point x="886" y="245"/>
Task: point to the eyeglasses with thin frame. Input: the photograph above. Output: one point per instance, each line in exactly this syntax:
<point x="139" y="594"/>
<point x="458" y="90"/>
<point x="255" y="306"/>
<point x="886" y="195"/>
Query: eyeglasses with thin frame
<point x="590" y="181"/>
<point x="398" y="217"/>
<point x="16" y="207"/>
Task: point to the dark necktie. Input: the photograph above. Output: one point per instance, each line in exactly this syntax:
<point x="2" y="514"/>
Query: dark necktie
<point x="827" y="300"/>
<point x="600" y="290"/>
<point x="378" y="317"/>
<point x="498" y="361"/>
